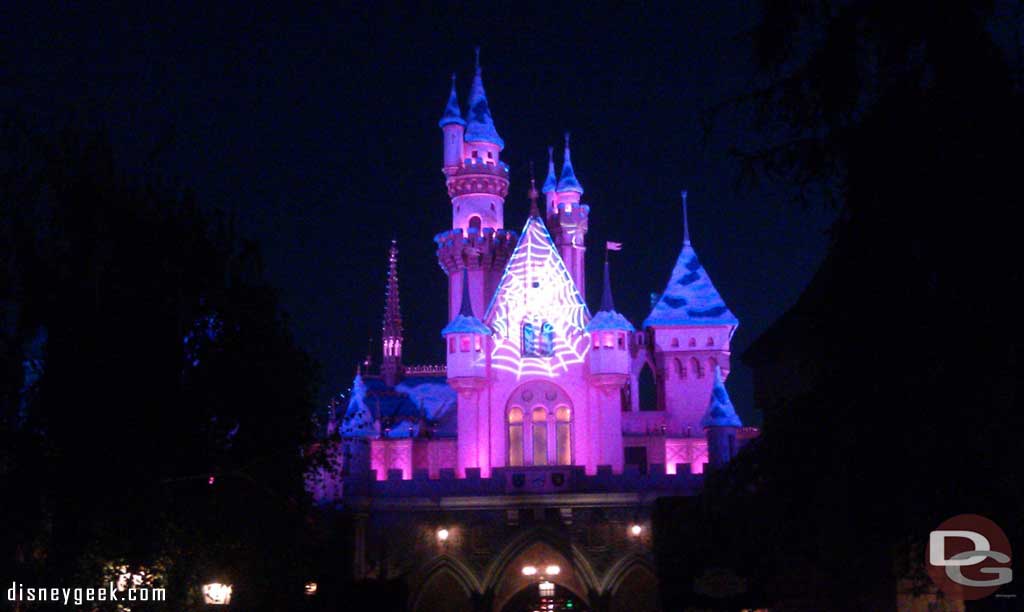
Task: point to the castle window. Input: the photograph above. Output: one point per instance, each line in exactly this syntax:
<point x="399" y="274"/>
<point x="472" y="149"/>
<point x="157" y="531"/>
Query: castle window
<point x="675" y="342"/>
<point x="540" y="436"/>
<point x="464" y="344"/>
<point x="596" y="341"/>
<point x="538" y="340"/>
<point x="451" y="345"/>
<point x="515" y="437"/>
<point x="476" y="343"/>
<point x="476" y="154"/>
<point x="648" y="389"/>
<point x="622" y="341"/>
<point x="698" y="369"/>
<point x="680" y="368"/>
<point x="563" y="436"/>
<point x="711" y="341"/>
<point x="693" y="342"/>
<point x="474" y="224"/>
<point x="609" y="340"/>
<point x="490" y="155"/>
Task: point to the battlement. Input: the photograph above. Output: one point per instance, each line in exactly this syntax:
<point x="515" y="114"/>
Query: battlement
<point x="488" y="249"/>
<point x="475" y="175"/>
<point x="429" y="369"/>
<point x="506" y="481"/>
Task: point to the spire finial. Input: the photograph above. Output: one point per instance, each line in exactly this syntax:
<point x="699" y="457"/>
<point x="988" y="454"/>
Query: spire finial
<point x="477" y="52"/>
<point x="686" y="222"/>
<point x="532" y="193"/>
<point x="567" y="142"/>
<point x="607" y="304"/>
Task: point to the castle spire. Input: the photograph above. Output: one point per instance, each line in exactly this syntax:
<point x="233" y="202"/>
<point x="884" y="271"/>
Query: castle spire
<point x="607" y="303"/>
<point x="568" y="181"/>
<point x="465" y="322"/>
<point x="480" y="125"/>
<point x="466" y="308"/>
<point x="550" y="183"/>
<point x="391" y="335"/>
<point x="452" y="112"/>
<point x="686" y="222"/>
<point x="532" y="194"/>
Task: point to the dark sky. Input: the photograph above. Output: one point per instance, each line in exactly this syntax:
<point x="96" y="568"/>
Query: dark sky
<point x="320" y="127"/>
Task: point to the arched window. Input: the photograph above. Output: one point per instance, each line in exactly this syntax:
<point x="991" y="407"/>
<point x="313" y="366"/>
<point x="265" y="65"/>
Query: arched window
<point x="474" y="224"/>
<point x="622" y="341"/>
<point x="680" y="368"/>
<point x="693" y="342"/>
<point x="609" y="340"/>
<point x="712" y="364"/>
<point x="648" y="389"/>
<point x="697" y="368"/>
<point x="540" y="436"/>
<point x="675" y="342"/>
<point x="529" y="340"/>
<point x="538" y="339"/>
<point x="711" y="341"/>
<point x="515" y="437"/>
<point x="563" y="436"/>
<point x="451" y="344"/>
<point x="547" y="339"/>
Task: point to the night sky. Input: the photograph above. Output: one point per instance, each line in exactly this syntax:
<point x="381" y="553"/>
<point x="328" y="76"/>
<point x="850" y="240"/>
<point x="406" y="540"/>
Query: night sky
<point x="320" y="130"/>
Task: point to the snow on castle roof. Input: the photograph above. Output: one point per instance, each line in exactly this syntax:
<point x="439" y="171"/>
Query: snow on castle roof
<point x="452" y="112"/>
<point x="480" y="126"/>
<point x="689" y="297"/>
<point x="720" y="411"/>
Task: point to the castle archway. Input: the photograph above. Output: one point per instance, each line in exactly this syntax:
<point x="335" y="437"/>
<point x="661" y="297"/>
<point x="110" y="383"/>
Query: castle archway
<point x="539" y="550"/>
<point x="530" y="599"/>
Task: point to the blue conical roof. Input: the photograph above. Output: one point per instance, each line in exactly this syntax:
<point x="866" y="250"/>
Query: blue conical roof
<point x="452" y="112"/>
<point x="358" y="421"/>
<point x="720" y="412"/>
<point x="568" y="181"/>
<point x="479" y="125"/>
<point x="465" y="322"/>
<point x="550" y="183"/>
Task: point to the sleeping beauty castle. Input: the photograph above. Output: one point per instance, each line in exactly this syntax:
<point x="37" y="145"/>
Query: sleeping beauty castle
<point x="521" y="474"/>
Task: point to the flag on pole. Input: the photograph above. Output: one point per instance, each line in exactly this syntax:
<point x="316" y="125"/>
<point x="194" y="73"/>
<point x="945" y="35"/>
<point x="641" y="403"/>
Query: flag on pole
<point x="613" y="246"/>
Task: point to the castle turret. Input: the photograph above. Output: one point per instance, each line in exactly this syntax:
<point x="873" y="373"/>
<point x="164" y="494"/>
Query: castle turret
<point x="454" y="128"/>
<point x="391" y="335"/>
<point x="357" y="428"/>
<point x="550" y="185"/>
<point x="477" y="184"/>
<point x="466" y="338"/>
<point x="568" y="218"/>
<point x="720" y="424"/>
<point x="691" y="328"/>
<point x="609" y="363"/>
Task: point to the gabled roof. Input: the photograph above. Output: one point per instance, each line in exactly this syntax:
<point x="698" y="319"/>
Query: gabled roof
<point x="689" y="297"/>
<point x="536" y="289"/>
<point x="452" y="112"/>
<point x="720" y="412"/>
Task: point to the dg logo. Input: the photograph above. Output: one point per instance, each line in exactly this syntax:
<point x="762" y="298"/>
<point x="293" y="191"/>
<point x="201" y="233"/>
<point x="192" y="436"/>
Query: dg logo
<point x="968" y="557"/>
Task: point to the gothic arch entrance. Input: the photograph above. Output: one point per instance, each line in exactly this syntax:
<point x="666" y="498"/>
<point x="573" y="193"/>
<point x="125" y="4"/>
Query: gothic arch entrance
<point x="539" y="418"/>
<point x="561" y="599"/>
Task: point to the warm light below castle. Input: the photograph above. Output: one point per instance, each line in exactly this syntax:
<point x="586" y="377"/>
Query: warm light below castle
<point x="217" y="594"/>
<point x="529" y="570"/>
<point x="552" y="570"/>
<point x="636" y="530"/>
<point x="442" y="535"/>
<point x="547" y="589"/>
<point x="311" y="588"/>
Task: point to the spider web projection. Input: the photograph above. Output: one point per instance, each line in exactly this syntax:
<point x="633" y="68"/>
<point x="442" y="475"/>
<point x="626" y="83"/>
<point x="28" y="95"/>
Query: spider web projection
<point x="538" y="316"/>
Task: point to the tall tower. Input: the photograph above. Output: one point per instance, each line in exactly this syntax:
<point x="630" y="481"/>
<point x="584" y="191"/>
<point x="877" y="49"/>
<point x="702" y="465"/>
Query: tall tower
<point x="691" y="328"/>
<point x="391" y="334"/>
<point x="477" y="182"/>
<point x="567" y="217"/>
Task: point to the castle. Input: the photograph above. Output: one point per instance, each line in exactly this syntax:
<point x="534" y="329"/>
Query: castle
<point x="522" y="472"/>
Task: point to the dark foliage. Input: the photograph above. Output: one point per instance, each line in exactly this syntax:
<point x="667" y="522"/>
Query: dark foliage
<point x="898" y="369"/>
<point x="166" y="427"/>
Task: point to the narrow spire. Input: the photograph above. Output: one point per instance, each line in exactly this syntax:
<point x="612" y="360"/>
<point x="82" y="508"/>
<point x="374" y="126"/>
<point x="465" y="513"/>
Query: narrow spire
<point x="476" y="51"/>
<point x="532" y="194"/>
<point x="607" y="304"/>
<point x="452" y="112"/>
<point x="392" y="308"/>
<point x="550" y="183"/>
<point x="686" y="222"/>
<point x="480" y="125"/>
<point x="568" y="181"/>
<point x="466" y="308"/>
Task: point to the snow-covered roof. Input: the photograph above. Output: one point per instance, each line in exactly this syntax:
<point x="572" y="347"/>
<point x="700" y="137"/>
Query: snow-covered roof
<point x="689" y="297"/>
<point x="403" y="410"/>
<point x="452" y="112"/>
<point x="609" y="320"/>
<point x="568" y="181"/>
<point x="479" y="125"/>
<point x="550" y="183"/>
<point x="720" y="411"/>
<point x="358" y="421"/>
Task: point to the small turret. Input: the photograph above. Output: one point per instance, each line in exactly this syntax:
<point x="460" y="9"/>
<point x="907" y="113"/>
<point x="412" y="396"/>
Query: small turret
<point x="466" y="337"/>
<point x="720" y="423"/>
<point x="550" y="183"/>
<point x="358" y="427"/>
<point x="609" y="346"/>
<point x="454" y="128"/>
<point x="569" y="188"/>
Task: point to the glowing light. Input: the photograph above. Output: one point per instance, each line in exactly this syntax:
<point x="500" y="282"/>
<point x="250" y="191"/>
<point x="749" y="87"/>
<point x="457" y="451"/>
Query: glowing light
<point x="311" y="588"/>
<point x="636" y="530"/>
<point x="547" y="589"/>
<point x="217" y="594"/>
<point x="529" y="570"/>
<point x="537" y="314"/>
<point x="552" y="570"/>
<point x="211" y="480"/>
<point x="442" y="535"/>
